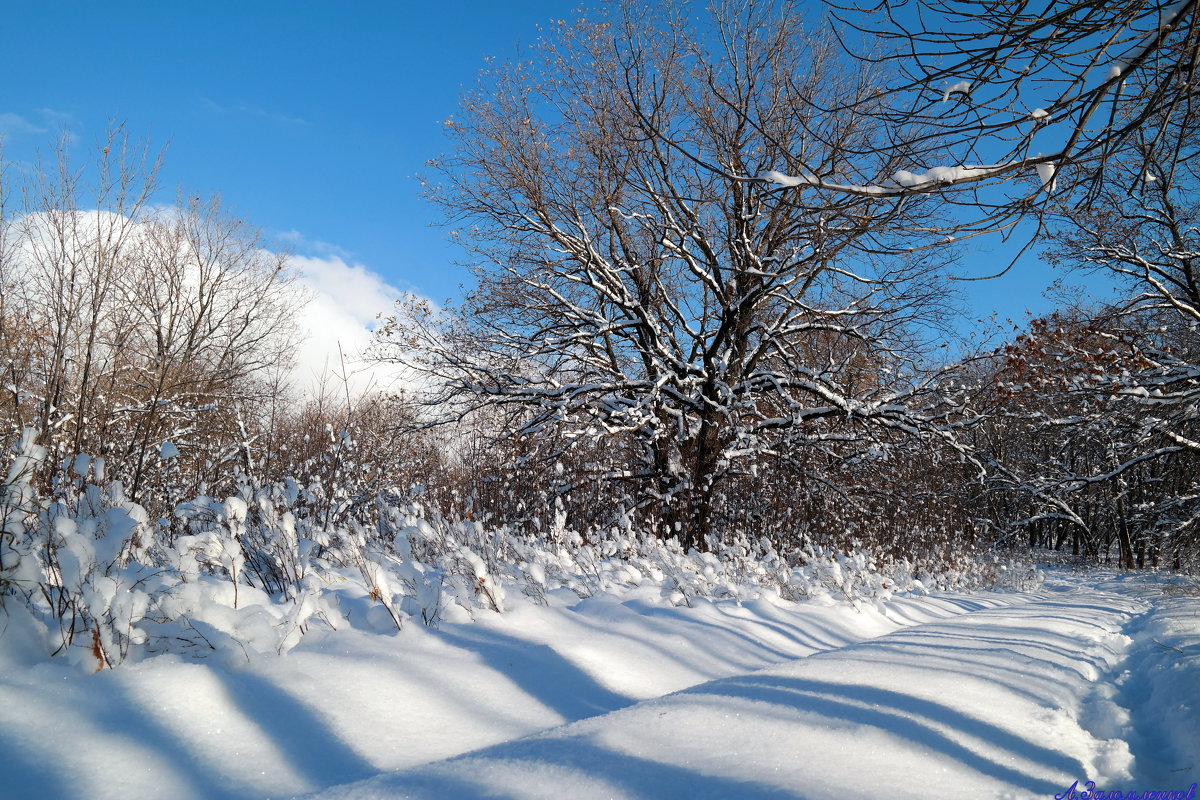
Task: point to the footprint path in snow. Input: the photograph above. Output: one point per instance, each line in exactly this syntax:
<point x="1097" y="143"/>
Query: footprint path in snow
<point x="1151" y="696"/>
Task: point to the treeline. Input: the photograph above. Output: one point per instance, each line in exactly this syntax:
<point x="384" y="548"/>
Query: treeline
<point x="1090" y="445"/>
<point x="155" y="342"/>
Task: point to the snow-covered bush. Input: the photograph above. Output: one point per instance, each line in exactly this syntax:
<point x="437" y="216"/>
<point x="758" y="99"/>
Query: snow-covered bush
<point x="80" y="559"/>
<point x="249" y="575"/>
<point x="18" y="504"/>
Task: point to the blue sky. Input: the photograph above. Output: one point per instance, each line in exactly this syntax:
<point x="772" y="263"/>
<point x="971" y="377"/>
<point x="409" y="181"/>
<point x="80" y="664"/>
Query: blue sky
<point x="310" y="118"/>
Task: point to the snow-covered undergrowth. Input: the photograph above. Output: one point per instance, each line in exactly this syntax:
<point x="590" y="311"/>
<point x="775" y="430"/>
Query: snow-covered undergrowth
<point x="250" y="574"/>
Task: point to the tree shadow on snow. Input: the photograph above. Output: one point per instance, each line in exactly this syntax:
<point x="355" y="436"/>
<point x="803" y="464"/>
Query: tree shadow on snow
<point x="133" y="722"/>
<point x="903" y="716"/>
<point x="304" y="738"/>
<point x="28" y="773"/>
<point x="805" y="637"/>
<point x="507" y="770"/>
<point x="540" y="672"/>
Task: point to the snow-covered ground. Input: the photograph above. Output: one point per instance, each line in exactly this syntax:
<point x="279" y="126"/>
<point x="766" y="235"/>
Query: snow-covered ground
<point x="1004" y="695"/>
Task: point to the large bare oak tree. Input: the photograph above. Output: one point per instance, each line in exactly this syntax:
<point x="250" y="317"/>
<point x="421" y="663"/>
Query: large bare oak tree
<point x="645" y="303"/>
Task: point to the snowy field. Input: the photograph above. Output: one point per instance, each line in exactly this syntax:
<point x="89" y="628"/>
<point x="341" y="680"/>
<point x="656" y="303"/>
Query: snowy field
<point x="1096" y="677"/>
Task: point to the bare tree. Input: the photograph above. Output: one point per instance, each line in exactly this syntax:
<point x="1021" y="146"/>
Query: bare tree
<point x="1142" y="229"/>
<point x="127" y="326"/>
<point x="68" y="248"/>
<point x="1079" y="120"/>
<point x="210" y="312"/>
<point x="1132" y="435"/>
<point x="1078" y="451"/>
<point x="643" y="302"/>
<point x="1025" y="101"/>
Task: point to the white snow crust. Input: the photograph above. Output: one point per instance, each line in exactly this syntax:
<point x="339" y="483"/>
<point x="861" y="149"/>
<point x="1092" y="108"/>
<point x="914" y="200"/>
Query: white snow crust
<point x="991" y="695"/>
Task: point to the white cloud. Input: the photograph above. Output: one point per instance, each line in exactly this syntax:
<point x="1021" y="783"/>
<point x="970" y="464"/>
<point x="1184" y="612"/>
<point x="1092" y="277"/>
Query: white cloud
<point x="346" y="298"/>
<point x="253" y="111"/>
<point x="52" y="116"/>
<point x="301" y="243"/>
<point x="336" y="324"/>
<point x="15" y="125"/>
<point x="42" y="122"/>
